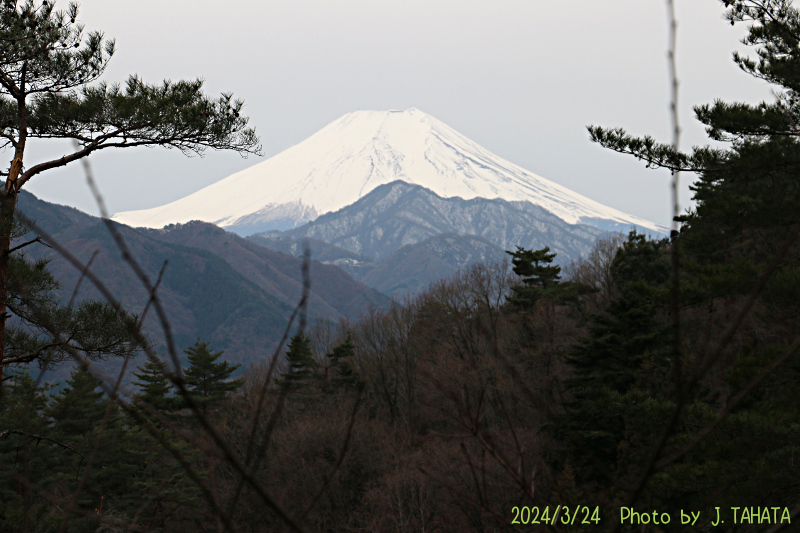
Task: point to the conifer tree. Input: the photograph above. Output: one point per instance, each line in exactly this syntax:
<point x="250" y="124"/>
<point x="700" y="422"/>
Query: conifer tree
<point x="751" y="185"/>
<point x="537" y="272"/>
<point x="79" y="407"/>
<point x="90" y="422"/>
<point x="343" y="377"/>
<point x="624" y="335"/>
<point x="154" y="388"/>
<point x="541" y="280"/>
<point x="22" y="459"/>
<point x="207" y="379"/>
<point x="48" y="89"/>
<point x="92" y="328"/>
<point x="302" y="365"/>
<point x="159" y="493"/>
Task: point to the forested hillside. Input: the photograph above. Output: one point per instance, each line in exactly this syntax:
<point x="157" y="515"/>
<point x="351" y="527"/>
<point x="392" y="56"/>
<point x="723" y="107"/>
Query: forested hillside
<point x="215" y="285"/>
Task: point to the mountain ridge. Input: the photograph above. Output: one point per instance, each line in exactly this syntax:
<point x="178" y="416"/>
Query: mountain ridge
<point x="396" y="214"/>
<point x="437" y="236"/>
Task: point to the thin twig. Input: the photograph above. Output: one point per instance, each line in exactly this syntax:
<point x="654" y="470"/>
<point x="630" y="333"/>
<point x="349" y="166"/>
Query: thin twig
<point x="254" y="456"/>
<point x="153" y="292"/>
<point x="80" y="279"/>
<point x="33" y="436"/>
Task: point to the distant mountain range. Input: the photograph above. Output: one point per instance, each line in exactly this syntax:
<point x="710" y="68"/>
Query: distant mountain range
<point x="400" y="237"/>
<point x="355" y="154"/>
<point x="217" y="286"/>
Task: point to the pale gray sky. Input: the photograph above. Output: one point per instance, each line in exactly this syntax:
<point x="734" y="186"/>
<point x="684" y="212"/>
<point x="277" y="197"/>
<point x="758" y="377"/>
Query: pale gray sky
<point x="523" y="78"/>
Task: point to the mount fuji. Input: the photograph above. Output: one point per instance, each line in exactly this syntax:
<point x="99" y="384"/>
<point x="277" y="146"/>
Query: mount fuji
<point x="363" y="150"/>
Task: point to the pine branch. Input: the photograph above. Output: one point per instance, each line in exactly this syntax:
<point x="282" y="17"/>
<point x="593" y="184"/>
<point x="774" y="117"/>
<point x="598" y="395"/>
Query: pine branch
<point x="30" y="356"/>
<point x="654" y="154"/>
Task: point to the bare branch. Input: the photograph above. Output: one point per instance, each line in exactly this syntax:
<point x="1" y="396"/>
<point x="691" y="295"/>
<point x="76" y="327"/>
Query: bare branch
<point x="255" y="454"/>
<point x="24" y="244"/>
<point x="32" y="436"/>
<point x="55" y="163"/>
<point x="153" y="292"/>
<point x="80" y="279"/>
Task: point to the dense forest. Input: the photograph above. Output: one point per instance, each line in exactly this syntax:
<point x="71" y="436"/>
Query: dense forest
<point x="649" y="386"/>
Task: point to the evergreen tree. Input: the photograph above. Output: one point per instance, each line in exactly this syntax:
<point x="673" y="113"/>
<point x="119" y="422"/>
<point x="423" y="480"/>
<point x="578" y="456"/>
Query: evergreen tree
<point x="86" y="419"/>
<point x="302" y="370"/>
<point x="342" y="374"/>
<point x="208" y="380"/>
<point x="47" y="328"/>
<point x="22" y="458"/>
<point x="79" y="407"/>
<point x="626" y="334"/>
<point x="538" y="275"/>
<point x="48" y="70"/>
<point x="154" y="388"/>
<point x="749" y="188"/>
<point x="541" y="280"/>
<point x="159" y="493"/>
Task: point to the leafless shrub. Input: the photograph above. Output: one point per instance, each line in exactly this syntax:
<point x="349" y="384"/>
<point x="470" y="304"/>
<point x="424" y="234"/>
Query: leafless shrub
<point x="594" y="270"/>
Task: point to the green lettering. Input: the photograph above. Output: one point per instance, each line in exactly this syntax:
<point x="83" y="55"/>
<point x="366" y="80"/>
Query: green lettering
<point x="716" y="522"/>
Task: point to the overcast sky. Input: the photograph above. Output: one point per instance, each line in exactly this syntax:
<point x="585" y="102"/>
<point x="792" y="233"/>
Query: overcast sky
<point x="523" y="78"/>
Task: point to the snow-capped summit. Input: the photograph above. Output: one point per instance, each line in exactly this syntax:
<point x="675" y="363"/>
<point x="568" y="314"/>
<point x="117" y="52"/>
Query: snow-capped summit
<point x="351" y="156"/>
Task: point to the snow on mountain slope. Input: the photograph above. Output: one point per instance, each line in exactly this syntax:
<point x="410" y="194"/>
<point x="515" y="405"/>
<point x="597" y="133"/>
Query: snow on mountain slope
<point x="351" y="156"/>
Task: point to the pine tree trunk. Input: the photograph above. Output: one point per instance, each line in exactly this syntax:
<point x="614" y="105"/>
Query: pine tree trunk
<point x="8" y="204"/>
